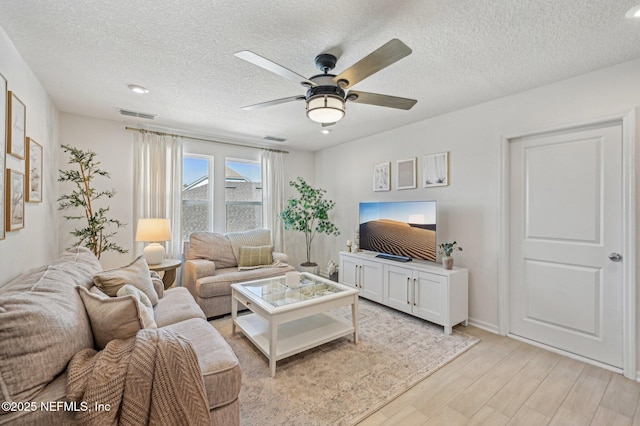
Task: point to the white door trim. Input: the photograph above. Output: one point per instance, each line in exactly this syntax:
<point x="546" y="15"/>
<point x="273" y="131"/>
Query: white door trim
<point x="630" y="137"/>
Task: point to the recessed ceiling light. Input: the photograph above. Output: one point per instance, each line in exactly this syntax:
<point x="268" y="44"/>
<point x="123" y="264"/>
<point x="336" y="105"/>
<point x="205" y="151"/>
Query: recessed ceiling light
<point x="325" y="131"/>
<point x="633" y="13"/>
<point x="138" y="89"/>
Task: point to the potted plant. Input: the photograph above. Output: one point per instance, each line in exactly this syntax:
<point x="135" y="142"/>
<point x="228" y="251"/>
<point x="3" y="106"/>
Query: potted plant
<point x="95" y="235"/>
<point x="309" y="214"/>
<point x="447" y="249"/>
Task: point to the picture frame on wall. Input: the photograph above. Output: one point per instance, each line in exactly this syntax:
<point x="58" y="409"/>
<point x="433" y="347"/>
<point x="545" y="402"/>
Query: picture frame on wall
<point x="435" y="170"/>
<point x="34" y="171"/>
<point x="382" y="176"/>
<point x="15" y="200"/>
<point x="3" y="150"/>
<point x="16" y="128"/>
<point x="406" y="174"/>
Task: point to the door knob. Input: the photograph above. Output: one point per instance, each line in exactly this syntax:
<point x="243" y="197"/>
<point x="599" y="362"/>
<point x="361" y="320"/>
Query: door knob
<point x="615" y="257"/>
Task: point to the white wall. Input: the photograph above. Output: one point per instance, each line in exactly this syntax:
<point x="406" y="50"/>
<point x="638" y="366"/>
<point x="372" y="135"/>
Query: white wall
<point x="468" y="209"/>
<point x="297" y="164"/>
<point x="114" y="148"/>
<point x="37" y="242"/>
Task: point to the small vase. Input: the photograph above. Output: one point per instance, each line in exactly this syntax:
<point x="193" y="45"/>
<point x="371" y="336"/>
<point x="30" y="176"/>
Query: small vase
<point x="447" y="262"/>
<point x="312" y="269"/>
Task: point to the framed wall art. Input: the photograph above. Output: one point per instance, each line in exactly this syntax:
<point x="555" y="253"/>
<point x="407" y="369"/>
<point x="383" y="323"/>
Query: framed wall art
<point x="34" y="171"/>
<point x="15" y="200"/>
<point x="382" y="176"/>
<point x="3" y="150"/>
<point x="435" y="170"/>
<point x="406" y="173"/>
<point x="16" y="136"/>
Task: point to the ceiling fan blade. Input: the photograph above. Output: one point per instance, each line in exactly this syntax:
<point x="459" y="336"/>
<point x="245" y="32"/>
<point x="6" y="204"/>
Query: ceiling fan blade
<point x="274" y="102"/>
<point x="268" y="65"/>
<point x="381" y="100"/>
<point x="380" y="58"/>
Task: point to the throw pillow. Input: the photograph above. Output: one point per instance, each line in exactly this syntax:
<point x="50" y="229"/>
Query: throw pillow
<point x="253" y="237"/>
<point x="114" y="317"/>
<point x="212" y="246"/>
<point x="136" y="273"/>
<point x="128" y="289"/>
<point x="95" y="290"/>
<point x="251" y="256"/>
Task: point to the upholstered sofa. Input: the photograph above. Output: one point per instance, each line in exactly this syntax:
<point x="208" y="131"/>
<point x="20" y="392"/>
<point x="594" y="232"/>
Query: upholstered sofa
<point x="44" y="323"/>
<point x="212" y="262"/>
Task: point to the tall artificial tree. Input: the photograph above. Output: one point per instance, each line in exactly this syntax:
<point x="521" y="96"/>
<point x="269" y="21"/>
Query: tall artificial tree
<point x="95" y="235"/>
<point x="309" y="214"/>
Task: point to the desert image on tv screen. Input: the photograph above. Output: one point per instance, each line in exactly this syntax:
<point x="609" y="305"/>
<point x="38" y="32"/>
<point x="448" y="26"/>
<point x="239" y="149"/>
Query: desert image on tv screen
<point x="400" y="228"/>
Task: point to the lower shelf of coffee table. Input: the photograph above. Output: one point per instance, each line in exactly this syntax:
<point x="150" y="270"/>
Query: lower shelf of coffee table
<point x="294" y="336"/>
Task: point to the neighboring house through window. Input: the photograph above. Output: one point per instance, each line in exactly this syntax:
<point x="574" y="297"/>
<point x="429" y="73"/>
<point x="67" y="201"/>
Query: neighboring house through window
<point x="242" y="195"/>
<point x="197" y="194"/>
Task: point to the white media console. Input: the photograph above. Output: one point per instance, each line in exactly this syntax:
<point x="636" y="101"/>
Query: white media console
<point x="420" y="288"/>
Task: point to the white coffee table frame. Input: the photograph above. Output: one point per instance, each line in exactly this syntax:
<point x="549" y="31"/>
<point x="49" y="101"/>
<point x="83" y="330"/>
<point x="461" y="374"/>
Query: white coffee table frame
<point x="282" y="331"/>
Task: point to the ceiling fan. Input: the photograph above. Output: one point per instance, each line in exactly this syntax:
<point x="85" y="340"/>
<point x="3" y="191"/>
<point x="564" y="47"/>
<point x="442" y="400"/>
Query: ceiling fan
<point x="326" y="93"/>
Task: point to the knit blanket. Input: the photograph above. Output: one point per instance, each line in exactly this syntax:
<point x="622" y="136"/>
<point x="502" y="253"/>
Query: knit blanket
<point x="152" y="378"/>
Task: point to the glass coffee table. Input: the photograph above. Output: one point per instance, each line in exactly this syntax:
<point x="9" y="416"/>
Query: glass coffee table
<point x="286" y="321"/>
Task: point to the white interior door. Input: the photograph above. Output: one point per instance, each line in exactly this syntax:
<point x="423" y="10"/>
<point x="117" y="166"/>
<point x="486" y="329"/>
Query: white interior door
<point x="565" y="222"/>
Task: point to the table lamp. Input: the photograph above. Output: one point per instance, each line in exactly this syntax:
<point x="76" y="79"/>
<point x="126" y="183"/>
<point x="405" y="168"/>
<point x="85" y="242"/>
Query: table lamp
<point x="153" y="230"/>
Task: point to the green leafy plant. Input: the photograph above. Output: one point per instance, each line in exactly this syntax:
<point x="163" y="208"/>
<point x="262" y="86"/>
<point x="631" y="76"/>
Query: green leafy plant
<point x="95" y="236"/>
<point x="448" y="248"/>
<point x="309" y="214"/>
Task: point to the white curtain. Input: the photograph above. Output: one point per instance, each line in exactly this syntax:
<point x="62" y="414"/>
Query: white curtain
<point x="273" y="196"/>
<point x="158" y="184"/>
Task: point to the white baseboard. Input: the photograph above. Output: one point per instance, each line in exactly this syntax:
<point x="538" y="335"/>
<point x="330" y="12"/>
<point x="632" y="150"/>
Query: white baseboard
<point x="492" y="328"/>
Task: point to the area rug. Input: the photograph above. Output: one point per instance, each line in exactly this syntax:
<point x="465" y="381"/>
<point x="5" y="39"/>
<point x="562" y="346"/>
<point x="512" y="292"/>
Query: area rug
<point x="341" y="383"/>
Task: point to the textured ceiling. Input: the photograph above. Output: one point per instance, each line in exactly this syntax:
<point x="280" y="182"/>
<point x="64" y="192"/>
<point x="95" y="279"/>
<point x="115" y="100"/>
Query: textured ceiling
<point x="464" y="53"/>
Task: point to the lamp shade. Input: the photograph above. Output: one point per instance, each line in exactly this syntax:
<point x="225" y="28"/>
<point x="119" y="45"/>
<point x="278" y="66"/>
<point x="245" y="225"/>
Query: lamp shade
<point x="325" y="108"/>
<point x="153" y="229"/>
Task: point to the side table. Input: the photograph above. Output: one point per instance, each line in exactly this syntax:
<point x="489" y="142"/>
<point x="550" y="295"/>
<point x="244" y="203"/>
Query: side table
<point x="168" y="266"/>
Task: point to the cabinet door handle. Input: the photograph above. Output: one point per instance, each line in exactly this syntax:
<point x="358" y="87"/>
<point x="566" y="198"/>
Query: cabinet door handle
<point x="408" y="301"/>
<point x="415" y="291"/>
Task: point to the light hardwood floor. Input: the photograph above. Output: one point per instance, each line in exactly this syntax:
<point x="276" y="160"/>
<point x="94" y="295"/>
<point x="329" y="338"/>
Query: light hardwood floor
<point x="501" y="381"/>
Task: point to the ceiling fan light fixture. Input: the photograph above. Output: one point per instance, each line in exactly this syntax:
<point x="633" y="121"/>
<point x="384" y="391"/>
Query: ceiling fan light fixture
<point x="325" y="108"/>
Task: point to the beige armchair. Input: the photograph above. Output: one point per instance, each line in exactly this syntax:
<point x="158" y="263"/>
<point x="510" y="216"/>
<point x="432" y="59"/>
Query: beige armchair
<point x="212" y="262"/>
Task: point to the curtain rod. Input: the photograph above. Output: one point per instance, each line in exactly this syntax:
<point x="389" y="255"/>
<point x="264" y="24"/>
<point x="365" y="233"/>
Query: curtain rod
<point x="203" y="139"/>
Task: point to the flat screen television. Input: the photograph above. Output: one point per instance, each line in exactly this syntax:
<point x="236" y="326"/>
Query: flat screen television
<point x="399" y="228"/>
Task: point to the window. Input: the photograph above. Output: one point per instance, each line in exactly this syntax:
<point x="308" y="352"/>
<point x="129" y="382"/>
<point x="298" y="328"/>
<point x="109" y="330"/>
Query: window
<point x="197" y="212"/>
<point x="243" y="195"/>
<point x="241" y="207"/>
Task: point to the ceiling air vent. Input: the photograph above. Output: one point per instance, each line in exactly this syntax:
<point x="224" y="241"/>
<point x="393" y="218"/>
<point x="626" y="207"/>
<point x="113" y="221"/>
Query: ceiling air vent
<point x="137" y="114"/>
<point x="273" y="139"/>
